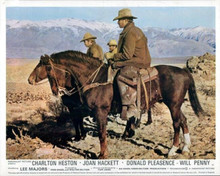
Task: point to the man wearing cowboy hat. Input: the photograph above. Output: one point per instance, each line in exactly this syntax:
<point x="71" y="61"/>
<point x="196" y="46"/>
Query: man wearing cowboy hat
<point x="112" y="49"/>
<point x="94" y="50"/>
<point x="132" y="55"/>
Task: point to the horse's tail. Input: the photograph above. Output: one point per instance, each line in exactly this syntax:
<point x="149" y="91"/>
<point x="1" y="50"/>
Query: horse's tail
<point x="194" y="101"/>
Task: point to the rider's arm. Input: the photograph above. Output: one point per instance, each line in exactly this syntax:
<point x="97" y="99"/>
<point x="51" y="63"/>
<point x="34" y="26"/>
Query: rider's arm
<point x="128" y="48"/>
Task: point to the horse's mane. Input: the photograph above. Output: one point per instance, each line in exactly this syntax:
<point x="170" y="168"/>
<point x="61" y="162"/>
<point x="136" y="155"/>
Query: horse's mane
<point x="75" y="56"/>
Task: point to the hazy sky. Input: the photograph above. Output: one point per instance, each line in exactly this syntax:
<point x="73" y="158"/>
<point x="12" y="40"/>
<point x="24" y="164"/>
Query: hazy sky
<point x="164" y="17"/>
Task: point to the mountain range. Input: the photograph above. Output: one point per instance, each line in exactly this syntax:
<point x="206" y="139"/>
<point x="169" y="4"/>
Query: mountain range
<point x="31" y="39"/>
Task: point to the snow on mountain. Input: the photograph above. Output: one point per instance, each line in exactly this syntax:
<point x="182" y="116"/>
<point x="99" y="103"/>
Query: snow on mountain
<point x="170" y="43"/>
<point x="199" y="33"/>
<point x="30" y="39"/>
<point x="67" y="23"/>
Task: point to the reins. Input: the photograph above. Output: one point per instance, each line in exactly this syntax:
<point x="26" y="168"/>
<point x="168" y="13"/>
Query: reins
<point x="84" y="86"/>
<point x="61" y="89"/>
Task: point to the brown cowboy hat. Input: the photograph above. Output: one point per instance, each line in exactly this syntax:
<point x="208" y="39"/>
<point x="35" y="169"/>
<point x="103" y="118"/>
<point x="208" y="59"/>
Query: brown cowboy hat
<point x="88" y="36"/>
<point x="124" y="13"/>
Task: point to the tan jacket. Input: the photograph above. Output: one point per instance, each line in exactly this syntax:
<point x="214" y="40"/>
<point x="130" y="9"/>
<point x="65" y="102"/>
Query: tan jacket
<point x="95" y="51"/>
<point x="110" y="54"/>
<point x="132" y="48"/>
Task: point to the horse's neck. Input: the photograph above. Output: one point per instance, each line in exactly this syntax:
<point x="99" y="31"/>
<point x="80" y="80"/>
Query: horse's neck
<point x="81" y="72"/>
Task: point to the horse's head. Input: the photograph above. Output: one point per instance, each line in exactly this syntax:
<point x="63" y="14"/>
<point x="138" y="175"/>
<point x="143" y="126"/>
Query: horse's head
<point x="39" y="73"/>
<point x="59" y="78"/>
<point x="56" y="66"/>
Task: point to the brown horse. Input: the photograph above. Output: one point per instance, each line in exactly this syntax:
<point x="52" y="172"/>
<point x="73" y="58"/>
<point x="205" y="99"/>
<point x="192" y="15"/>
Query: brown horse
<point x="70" y="99"/>
<point x="174" y="83"/>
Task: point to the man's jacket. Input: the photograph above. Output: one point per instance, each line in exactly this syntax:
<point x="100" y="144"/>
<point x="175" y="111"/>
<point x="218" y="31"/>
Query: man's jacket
<point x="95" y="51"/>
<point x="132" y="48"/>
<point x="110" y="54"/>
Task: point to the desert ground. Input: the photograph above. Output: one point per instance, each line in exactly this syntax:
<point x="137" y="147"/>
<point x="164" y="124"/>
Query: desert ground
<point x="37" y="127"/>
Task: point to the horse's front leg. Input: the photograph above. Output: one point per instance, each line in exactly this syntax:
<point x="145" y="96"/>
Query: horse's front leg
<point x="82" y="129"/>
<point x="75" y="121"/>
<point x="101" y="117"/>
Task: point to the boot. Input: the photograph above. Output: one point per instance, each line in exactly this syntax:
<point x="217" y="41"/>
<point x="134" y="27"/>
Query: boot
<point x="123" y="114"/>
<point x="128" y="98"/>
<point x="132" y="110"/>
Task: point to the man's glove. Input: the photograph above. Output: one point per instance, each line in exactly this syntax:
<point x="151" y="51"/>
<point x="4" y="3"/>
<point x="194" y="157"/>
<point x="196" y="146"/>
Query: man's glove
<point x="110" y="61"/>
<point x="114" y="66"/>
<point x="117" y="56"/>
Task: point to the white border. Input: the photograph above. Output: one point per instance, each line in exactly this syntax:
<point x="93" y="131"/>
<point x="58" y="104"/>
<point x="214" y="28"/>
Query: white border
<point x="101" y="3"/>
<point x="17" y="3"/>
<point x="217" y="86"/>
<point x="3" y="167"/>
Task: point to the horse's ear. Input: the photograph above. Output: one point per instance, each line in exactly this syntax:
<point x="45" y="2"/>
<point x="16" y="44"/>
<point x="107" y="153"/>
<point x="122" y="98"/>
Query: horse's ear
<point x="46" y="56"/>
<point x="44" y="59"/>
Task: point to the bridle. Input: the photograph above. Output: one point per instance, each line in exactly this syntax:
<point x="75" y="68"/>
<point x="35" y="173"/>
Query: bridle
<point x="61" y="90"/>
<point x="84" y="87"/>
<point x="43" y="81"/>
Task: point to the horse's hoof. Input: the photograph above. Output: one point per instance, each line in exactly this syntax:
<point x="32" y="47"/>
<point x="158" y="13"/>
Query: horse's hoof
<point x="171" y="156"/>
<point x="172" y="152"/>
<point x="148" y="123"/>
<point x="186" y="150"/>
<point x="128" y="134"/>
<point x="103" y="156"/>
<point x="131" y="133"/>
<point x="124" y="136"/>
<point x="83" y="137"/>
<point x="76" y="139"/>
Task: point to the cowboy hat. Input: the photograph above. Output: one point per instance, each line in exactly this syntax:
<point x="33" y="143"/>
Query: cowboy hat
<point x="88" y="36"/>
<point x="112" y="43"/>
<point x="124" y="13"/>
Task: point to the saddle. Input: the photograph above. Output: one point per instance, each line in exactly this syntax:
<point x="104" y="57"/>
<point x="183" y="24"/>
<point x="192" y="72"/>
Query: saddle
<point x="146" y="75"/>
<point x="138" y="79"/>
